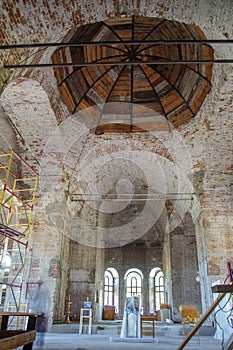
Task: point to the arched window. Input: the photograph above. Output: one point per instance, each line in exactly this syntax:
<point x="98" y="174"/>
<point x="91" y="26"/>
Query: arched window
<point x="156" y="289"/>
<point x="111" y="288"/>
<point x="133" y="279"/>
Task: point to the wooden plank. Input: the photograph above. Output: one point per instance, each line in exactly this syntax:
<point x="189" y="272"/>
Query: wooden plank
<point x="222" y="288"/>
<point x="15" y="313"/>
<point x="13" y="342"/>
<point x="10" y="333"/>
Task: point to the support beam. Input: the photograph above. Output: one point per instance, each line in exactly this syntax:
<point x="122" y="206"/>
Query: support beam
<point x="114" y="63"/>
<point x="122" y="42"/>
<point x="201" y="321"/>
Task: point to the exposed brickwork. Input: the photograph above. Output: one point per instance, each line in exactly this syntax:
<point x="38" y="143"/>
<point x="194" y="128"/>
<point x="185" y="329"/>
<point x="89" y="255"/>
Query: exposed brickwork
<point x="184" y="266"/>
<point x="204" y="157"/>
<point x="218" y="181"/>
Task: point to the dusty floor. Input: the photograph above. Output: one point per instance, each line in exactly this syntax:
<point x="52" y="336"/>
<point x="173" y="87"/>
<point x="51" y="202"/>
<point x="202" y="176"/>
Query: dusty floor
<point x="100" y="342"/>
<point x="66" y="337"/>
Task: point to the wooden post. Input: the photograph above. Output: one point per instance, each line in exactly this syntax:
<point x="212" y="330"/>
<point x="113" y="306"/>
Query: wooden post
<point x="4" y="324"/>
<point x="201" y="321"/>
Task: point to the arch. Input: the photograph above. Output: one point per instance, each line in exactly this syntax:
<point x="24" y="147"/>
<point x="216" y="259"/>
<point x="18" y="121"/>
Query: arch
<point x="111" y="288"/>
<point x="133" y="283"/>
<point x="133" y="270"/>
<point x="156" y="289"/>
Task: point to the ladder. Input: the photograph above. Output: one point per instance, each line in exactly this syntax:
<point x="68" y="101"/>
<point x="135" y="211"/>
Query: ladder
<point x="18" y="182"/>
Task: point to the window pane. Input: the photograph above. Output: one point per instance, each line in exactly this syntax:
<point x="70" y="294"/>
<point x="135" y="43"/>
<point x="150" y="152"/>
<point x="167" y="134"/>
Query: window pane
<point x="133" y="283"/>
<point x="108" y="288"/>
<point x="158" y="289"/>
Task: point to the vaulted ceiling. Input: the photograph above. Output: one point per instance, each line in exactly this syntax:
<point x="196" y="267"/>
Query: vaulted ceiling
<point x="141" y="61"/>
<point x="108" y="58"/>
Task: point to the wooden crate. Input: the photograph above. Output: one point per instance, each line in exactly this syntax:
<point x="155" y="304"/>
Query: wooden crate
<point x="109" y="312"/>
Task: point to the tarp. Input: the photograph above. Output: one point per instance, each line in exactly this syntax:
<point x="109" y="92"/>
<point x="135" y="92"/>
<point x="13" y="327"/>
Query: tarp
<point x="131" y="318"/>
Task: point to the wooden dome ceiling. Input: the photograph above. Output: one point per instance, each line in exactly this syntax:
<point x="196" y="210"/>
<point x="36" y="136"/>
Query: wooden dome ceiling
<point x="131" y="60"/>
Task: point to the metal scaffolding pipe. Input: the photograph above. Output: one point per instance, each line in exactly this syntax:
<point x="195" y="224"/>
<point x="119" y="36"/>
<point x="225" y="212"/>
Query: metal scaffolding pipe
<point x="113" y="63"/>
<point x="122" y="42"/>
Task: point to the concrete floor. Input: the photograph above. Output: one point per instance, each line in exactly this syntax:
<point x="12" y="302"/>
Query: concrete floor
<point x="100" y="342"/>
<point x="66" y="337"/>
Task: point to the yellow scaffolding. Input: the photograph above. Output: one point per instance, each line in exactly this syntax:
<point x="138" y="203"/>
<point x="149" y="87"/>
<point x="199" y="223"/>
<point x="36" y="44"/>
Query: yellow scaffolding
<point x="5" y="166"/>
<point x="18" y="182"/>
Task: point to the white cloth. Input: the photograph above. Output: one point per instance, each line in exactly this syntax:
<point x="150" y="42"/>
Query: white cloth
<point x="131" y="318"/>
<point x="222" y="325"/>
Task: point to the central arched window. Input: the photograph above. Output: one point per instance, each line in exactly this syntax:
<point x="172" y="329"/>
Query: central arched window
<point x="133" y="279"/>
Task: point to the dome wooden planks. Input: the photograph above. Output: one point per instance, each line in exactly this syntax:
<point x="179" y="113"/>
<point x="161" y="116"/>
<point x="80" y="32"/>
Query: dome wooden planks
<point x="114" y="67"/>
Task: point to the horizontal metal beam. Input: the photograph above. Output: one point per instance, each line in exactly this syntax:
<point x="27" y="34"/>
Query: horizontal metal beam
<point x="136" y="197"/>
<point x="150" y="193"/>
<point x="122" y="42"/>
<point x="129" y="199"/>
<point x="114" y="63"/>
